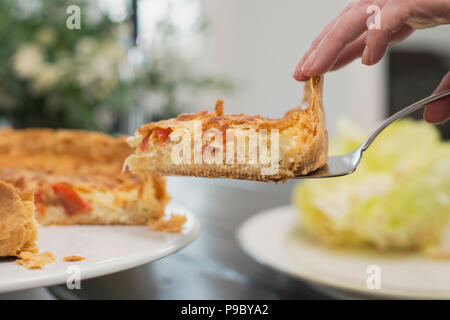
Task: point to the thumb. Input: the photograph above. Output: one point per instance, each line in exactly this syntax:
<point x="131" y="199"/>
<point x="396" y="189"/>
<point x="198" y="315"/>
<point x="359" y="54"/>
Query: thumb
<point x="439" y="111"/>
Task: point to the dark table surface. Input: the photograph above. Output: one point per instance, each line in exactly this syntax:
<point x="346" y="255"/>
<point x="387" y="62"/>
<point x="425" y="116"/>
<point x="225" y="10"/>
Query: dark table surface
<point x="213" y="266"/>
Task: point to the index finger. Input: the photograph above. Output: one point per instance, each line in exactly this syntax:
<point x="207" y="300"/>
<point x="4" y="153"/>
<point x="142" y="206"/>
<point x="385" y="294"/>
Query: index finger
<point x="347" y="29"/>
<point x="298" y="74"/>
<point x="439" y="111"/>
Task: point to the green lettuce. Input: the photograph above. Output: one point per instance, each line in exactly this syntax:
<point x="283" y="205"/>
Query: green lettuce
<point x="399" y="198"/>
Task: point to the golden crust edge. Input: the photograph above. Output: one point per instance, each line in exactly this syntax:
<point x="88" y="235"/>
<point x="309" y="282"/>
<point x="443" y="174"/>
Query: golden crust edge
<point x="18" y="228"/>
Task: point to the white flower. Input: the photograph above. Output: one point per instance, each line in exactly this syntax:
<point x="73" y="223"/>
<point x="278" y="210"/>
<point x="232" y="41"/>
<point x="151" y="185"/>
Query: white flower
<point x="85" y="47"/>
<point x="46" y="36"/>
<point x="64" y="64"/>
<point x="28" y="60"/>
<point x="46" y="78"/>
<point x="103" y="68"/>
<point x="95" y="71"/>
<point x="94" y="14"/>
<point x="85" y="77"/>
<point x="113" y="51"/>
<point x="28" y="8"/>
<point x="97" y="65"/>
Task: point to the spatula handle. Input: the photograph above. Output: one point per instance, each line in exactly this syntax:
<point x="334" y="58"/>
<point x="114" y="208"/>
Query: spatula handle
<point x="401" y="114"/>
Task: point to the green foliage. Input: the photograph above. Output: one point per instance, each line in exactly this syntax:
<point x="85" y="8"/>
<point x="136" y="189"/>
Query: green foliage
<point x="51" y="76"/>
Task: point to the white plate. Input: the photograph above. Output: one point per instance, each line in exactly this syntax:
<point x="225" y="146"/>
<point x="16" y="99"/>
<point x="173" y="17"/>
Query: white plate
<point x="273" y="238"/>
<point x="107" y="249"/>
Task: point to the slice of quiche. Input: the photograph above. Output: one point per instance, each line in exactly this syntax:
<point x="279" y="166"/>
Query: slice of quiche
<point x="212" y="144"/>
<point x="18" y="229"/>
<point x="76" y="178"/>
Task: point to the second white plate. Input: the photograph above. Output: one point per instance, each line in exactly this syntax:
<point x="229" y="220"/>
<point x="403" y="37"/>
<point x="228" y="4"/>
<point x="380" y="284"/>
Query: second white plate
<point x="107" y="249"/>
<point x="274" y="238"/>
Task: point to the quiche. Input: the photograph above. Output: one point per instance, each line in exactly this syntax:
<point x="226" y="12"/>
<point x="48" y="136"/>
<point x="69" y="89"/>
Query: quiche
<point x="237" y="146"/>
<point x="18" y="228"/>
<point x="76" y="178"/>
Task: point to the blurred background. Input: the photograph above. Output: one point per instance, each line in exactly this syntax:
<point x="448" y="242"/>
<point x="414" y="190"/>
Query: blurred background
<point x="135" y="61"/>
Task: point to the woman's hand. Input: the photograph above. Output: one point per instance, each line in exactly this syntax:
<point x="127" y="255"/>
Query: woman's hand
<point x="439" y="111"/>
<point x="348" y="37"/>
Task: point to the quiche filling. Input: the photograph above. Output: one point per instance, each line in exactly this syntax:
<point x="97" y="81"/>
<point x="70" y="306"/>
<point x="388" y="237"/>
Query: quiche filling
<point x="76" y="177"/>
<point x="289" y="141"/>
<point x="235" y="145"/>
<point x="63" y="195"/>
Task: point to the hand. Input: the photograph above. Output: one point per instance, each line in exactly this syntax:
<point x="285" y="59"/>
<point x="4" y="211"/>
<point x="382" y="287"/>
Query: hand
<point x="347" y="37"/>
<point x="439" y="111"/>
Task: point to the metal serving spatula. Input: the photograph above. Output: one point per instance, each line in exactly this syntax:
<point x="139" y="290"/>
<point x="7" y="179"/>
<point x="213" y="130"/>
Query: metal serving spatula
<point x="345" y="164"/>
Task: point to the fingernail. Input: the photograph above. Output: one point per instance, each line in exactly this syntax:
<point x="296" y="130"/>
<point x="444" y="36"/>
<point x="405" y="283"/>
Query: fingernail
<point x="309" y="62"/>
<point x="366" y="56"/>
<point x="435" y="115"/>
<point x="297" y="72"/>
<point x="430" y="117"/>
<point x="426" y="114"/>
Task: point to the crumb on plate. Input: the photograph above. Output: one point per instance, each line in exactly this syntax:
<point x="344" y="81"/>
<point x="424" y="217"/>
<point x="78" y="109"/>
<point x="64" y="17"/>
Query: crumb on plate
<point x="36" y="260"/>
<point x="174" y="224"/>
<point x="73" y="258"/>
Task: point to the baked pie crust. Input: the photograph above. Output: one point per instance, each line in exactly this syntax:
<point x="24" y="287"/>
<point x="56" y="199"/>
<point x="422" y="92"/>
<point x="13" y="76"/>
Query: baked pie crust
<point x="76" y="178"/>
<point x="302" y="142"/>
<point x="18" y="229"/>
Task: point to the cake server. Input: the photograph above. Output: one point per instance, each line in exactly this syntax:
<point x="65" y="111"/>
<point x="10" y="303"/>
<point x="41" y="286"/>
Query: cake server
<point x="348" y="163"/>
